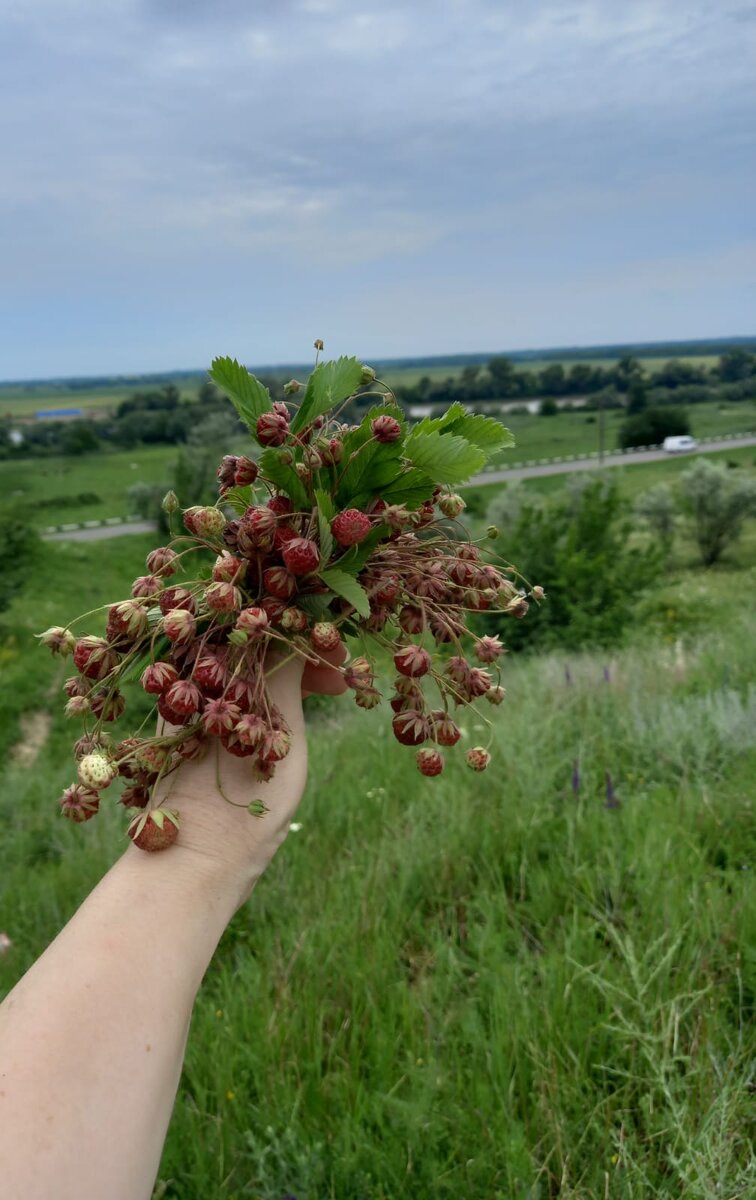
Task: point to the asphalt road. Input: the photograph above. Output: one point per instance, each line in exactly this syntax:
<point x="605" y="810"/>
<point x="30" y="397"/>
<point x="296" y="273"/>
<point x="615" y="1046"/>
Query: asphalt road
<point x="101" y="532"/>
<point x="611" y="460"/>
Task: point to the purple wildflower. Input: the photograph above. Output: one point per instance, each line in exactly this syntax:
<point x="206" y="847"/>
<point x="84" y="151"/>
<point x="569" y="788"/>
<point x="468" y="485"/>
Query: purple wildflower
<point x="611" y="796"/>
<point x="575" y="780"/>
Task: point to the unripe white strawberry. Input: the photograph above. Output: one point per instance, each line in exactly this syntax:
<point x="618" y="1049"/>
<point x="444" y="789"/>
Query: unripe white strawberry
<point x="495" y="695"/>
<point x="97" y="771"/>
<point x="325" y="636"/>
<point x="59" y="640"/>
<point x="452" y="505"/>
<point x="204" y="521"/>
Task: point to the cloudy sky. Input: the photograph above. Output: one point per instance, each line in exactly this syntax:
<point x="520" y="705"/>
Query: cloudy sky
<point x="181" y="178"/>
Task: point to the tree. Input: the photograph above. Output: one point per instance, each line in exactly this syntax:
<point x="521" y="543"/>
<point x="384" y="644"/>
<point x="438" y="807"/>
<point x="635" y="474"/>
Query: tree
<point x="718" y="505"/>
<point x="19" y="545"/>
<point x="79" y="437"/>
<point x="649" y="428"/>
<point x="736" y="365"/>
<point x="548" y="407"/>
<point x="626" y="371"/>
<point x="553" y="380"/>
<point x="578" y="547"/>
<point x="658" y="508"/>
<point x="503" y="373"/>
<point x="637" y="399"/>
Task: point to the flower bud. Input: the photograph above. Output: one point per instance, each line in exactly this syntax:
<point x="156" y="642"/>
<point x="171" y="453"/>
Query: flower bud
<point x="170" y="502"/>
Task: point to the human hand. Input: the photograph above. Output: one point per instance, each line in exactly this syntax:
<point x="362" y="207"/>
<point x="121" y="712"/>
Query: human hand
<point x="223" y="839"/>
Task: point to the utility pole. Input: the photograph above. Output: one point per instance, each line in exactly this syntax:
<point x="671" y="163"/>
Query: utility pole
<point x="601" y="398"/>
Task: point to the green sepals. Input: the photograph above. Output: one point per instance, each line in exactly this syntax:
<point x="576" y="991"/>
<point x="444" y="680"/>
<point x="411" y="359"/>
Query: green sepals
<point x="326" y="513"/>
<point x="443" y="456"/>
<point x="348" y="588"/>
<point x="257" y="808"/>
<point x="247" y="394"/>
<point x="330" y="383"/>
<point x="285" y="478"/>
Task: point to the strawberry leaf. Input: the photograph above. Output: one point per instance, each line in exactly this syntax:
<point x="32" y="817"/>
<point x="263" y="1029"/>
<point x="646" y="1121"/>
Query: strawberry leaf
<point x="247" y="394"/>
<point x="443" y="456"/>
<point x="330" y="383"/>
<point x="284" y="477"/>
<point x="348" y="588"/>
<point x="326" y="512"/>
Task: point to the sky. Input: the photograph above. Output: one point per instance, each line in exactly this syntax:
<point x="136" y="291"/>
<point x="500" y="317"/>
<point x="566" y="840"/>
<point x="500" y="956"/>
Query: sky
<point x="186" y="178"/>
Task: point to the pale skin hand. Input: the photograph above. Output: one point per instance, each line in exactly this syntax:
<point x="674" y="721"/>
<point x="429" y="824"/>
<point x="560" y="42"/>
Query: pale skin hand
<point x="92" y="1038"/>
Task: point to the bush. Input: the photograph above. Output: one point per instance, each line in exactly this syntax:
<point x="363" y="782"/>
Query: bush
<point x="717" y="505"/>
<point x="650" y="427"/>
<point x="19" y="544"/>
<point x="579" y="548"/>
<point x="548" y="407"/>
<point x="658" y="508"/>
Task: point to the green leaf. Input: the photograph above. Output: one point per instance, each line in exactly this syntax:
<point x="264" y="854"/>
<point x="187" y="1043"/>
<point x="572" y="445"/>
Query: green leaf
<point x="348" y="588"/>
<point x="316" y="605"/>
<point x="354" y="559"/>
<point x="428" y="424"/>
<point x="247" y="394"/>
<point x="239" y="498"/>
<point x="161" y="647"/>
<point x="443" y="456"/>
<point x="485" y="432"/>
<point x="330" y="383"/>
<point x="326" y="512"/>
<point x="374" y="464"/>
<point x="285" y="477"/>
<point x="410" y="488"/>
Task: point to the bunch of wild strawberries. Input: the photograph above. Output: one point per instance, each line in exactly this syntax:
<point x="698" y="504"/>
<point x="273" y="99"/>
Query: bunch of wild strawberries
<point x="198" y="645"/>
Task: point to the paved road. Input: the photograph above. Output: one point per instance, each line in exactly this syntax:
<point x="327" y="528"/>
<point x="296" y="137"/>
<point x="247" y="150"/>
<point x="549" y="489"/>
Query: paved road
<point x="555" y="468"/>
<point x="101" y="531"/>
<point x="611" y="460"/>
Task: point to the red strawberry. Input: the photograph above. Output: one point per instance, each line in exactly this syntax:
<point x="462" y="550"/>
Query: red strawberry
<point x="156" y="830"/>
<point x="301" y="556"/>
<point x="350" y="527"/>
<point x="272" y="429"/>
<point x="429" y="762"/>
<point x="281" y="506"/>
<point x="412" y="661"/>
<point x="410" y="728"/>
<point x="279" y="582"/>
<point x="158" y="677"/>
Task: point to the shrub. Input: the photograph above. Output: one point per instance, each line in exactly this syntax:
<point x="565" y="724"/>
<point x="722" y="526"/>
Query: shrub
<point x="717" y="505"/>
<point x="650" y="427"/>
<point x="19" y="543"/>
<point x="658" y="508"/>
<point x="548" y="407"/>
<point x="579" y="548"/>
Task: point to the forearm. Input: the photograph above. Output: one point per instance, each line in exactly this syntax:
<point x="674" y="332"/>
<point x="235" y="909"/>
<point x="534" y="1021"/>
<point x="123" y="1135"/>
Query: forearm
<point x="92" y="1038"/>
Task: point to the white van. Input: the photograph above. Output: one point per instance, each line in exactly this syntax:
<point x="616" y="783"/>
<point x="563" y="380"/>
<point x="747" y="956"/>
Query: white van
<point x="679" y="444"/>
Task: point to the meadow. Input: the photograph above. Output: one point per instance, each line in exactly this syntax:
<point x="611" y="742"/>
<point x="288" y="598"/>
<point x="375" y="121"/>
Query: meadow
<point x="527" y="986"/>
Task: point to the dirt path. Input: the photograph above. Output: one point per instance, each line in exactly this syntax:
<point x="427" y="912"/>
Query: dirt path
<point x="35" y="727"/>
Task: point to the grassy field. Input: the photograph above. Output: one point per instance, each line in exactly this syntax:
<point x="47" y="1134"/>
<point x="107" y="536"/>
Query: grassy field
<point x="64" y="489"/>
<point x="498" y="989"/>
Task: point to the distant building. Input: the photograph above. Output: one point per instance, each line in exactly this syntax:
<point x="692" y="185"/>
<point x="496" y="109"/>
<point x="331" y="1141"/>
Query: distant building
<point x="16" y="437"/>
<point x="57" y="414"/>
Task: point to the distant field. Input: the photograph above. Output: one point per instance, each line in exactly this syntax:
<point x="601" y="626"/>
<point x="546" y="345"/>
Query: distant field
<point x="409" y="376"/>
<point x="94" y="486"/>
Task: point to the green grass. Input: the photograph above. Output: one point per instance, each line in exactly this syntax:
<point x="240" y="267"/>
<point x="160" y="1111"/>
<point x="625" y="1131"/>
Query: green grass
<point x="473" y="986"/>
<point x="409" y="376"/>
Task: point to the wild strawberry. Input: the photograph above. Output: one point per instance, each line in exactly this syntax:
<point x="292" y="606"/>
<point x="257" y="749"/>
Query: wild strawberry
<point x="325" y="636"/>
<point x="250" y="729"/>
<point x="172" y="715"/>
<point x="262" y="770"/>
<point x="301" y="556"/>
<point x="128" y="619"/>
<point x="358" y="673"/>
<point x="155" y="830"/>
<point x="228" y="569"/>
<point x="488" y="649"/>
<point x="274" y="607"/>
<point x="94" y="658"/>
<point x="88" y="743"/>
<point x="444" y="731"/>
<point x="293" y="620"/>
<point x="386" y="588"/>
<point x="458" y="670"/>
<point x="192" y="748"/>
<point x="223" y="597"/>
<point x="451" y="505"/>
<point x="410" y="727"/>
<point x="478" y="600"/>
<point x="272" y="429"/>
<point x="478" y="683"/>
<point x="227" y="472"/>
<point x="75" y="685"/>
<point x="124" y="757"/>
<point x="431" y="583"/>
<point x="411" y="619"/>
<point x="97" y="771"/>
<point x="409" y="697"/>
<point x="220" y="715"/>
<point x="179" y="625"/>
<point x="281" y="408"/>
<point x="460" y="571"/>
<point x="335" y="450"/>
<point x="231" y="741"/>
<point x="57" y="639"/>
<point x="518" y="607"/>
<point x="412" y="661"/>
<point x="377" y="619"/>
<point x="146" y="587"/>
<point x="176" y="597"/>
<point x="538" y="593"/>
<point x="279" y="582"/>
<point x="276" y="745"/>
<point x="468" y="552"/>
<point x="386" y="428"/>
<point x="135" y="796"/>
<point x="495" y="695"/>
<point x="312" y="459"/>
<point x="350" y="527"/>
<point x="158" y="677"/>
<point x="444" y="628"/>
<point x="396" y="516"/>
<point x="107" y="706"/>
<point x="184" y="697"/>
<point x="79" y="803"/>
<point x="283" y="535"/>
<point x="425" y="514"/>
<point x="254" y="621"/>
<point x="281" y="506"/>
<point x="477" y="758"/>
<point x="152" y="757"/>
<point x="367" y="697"/>
<point x="246" y="471"/>
<point x="162" y="561"/>
<point x="77" y="706"/>
<point x="429" y="761"/>
<point x="241" y="691"/>
<point x="204" y="521"/>
<point x="259" y="524"/>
